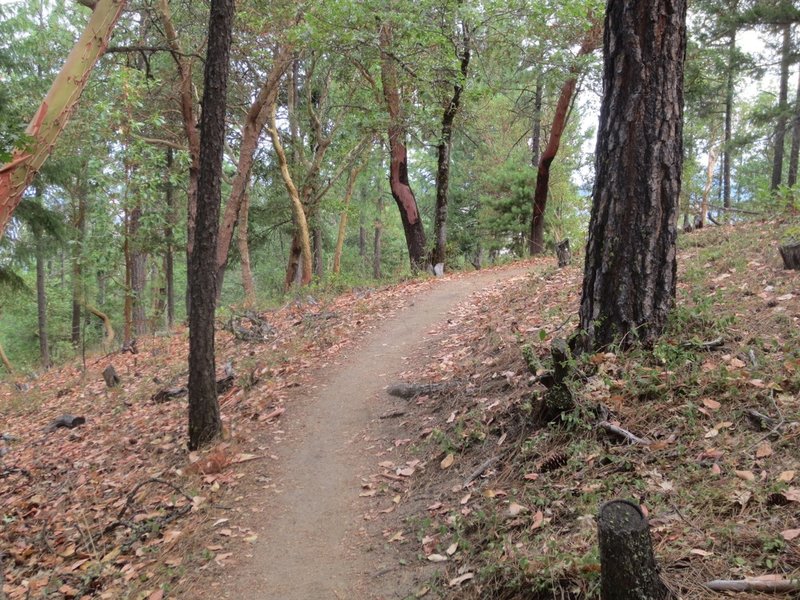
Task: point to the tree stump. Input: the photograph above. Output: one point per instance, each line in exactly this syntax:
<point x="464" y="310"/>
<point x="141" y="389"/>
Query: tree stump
<point x="628" y="568"/>
<point x="563" y="253"/>
<point x="111" y="377"/>
<point x="558" y="398"/>
<point x="791" y="255"/>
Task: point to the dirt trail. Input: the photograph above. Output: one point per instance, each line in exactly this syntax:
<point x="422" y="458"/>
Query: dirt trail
<point x="313" y="543"/>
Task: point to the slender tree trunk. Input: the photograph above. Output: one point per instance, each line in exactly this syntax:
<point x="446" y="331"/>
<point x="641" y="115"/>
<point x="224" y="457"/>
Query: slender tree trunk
<point x="362" y="240"/>
<point x="256" y="119"/>
<point x="443" y="153"/>
<point x="79" y="224"/>
<point x="169" y="265"/>
<point x="791" y="177"/>
<point x="712" y="162"/>
<point x="376" y="245"/>
<point x="783" y="101"/>
<point x="41" y="293"/>
<point x="726" y="143"/>
<point x="630" y="269"/>
<point x="318" y="258"/>
<point x="588" y="45"/>
<point x="248" y="285"/>
<point x="301" y="241"/>
<point x="204" y="420"/>
<point x="337" y="254"/>
<point x="398" y="168"/>
<point x="536" y="122"/>
<point x="138" y="274"/>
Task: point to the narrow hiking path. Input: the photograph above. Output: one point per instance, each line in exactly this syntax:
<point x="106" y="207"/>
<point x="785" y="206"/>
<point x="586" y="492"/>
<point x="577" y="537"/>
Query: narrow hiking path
<point x="313" y="541"/>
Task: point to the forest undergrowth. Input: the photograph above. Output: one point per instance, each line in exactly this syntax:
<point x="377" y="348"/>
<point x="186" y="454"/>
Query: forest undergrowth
<point x="505" y="507"/>
<point x="485" y="501"/>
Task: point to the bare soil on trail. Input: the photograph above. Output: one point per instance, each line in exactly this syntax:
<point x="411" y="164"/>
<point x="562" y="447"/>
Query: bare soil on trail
<point x="313" y="539"/>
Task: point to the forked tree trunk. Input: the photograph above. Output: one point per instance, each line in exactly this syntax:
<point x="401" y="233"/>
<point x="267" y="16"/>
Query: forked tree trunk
<point x="398" y="154"/>
<point x="204" y="420"/>
<point x="783" y="101"/>
<point x="630" y="269"/>
<point x="588" y="45"/>
<point x="57" y="107"/>
<point x="443" y="153"/>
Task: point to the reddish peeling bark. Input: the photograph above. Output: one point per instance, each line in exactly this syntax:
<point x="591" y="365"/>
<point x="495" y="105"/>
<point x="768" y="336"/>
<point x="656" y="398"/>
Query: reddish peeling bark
<point x="57" y="107"/>
<point x="588" y="45"/>
<point x="398" y="166"/>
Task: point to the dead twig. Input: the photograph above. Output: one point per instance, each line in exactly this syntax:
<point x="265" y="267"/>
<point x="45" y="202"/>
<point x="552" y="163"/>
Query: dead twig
<point x="624" y="433"/>
<point x="484" y="466"/>
<point x="709" y="345"/>
<point x="392" y="414"/>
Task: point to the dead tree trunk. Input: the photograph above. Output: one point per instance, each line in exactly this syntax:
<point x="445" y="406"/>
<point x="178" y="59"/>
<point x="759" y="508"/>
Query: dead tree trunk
<point x="563" y="252"/>
<point x="628" y="568"/>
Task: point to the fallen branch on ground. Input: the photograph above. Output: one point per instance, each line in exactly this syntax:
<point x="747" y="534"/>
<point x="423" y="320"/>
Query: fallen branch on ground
<point x="409" y="391"/>
<point x="484" y="466"/>
<point x="754" y="585"/>
<point x="624" y="433"/>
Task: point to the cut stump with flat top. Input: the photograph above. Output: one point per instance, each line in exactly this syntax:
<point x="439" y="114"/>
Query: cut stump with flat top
<point x="791" y="255"/>
<point x="628" y="568"/>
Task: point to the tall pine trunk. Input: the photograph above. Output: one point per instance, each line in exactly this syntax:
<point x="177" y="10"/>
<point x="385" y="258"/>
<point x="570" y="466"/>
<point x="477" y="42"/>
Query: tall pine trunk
<point x="398" y="167"/>
<point x="630" y="269"/>
<point x="443" y="152"/>
<point x="726" y="143"/>
<point x="41" y="292"/>
<point x="783" y="101"/>
<point x="204" y="419"/>
<point x="79" y="225"/>
<point x="791" y="176"/>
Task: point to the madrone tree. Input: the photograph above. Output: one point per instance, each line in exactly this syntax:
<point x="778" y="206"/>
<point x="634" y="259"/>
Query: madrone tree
<point x="630" y="272"/>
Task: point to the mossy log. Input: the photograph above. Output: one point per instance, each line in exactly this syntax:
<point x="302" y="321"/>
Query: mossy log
<point x="628" y="569"/>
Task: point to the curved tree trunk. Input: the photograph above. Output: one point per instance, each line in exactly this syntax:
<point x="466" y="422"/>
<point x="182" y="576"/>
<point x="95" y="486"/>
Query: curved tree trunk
<point x="630" y="270"/>
<point x="300" y="254"/>
<point x="588" y="45"/>
<point x="398" y="167"/>
<point x="257" y="117"/>
<point x="204" y="420"/>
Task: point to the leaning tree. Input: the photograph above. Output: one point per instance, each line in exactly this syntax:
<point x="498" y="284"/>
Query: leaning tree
<point x="630" y="270"/>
